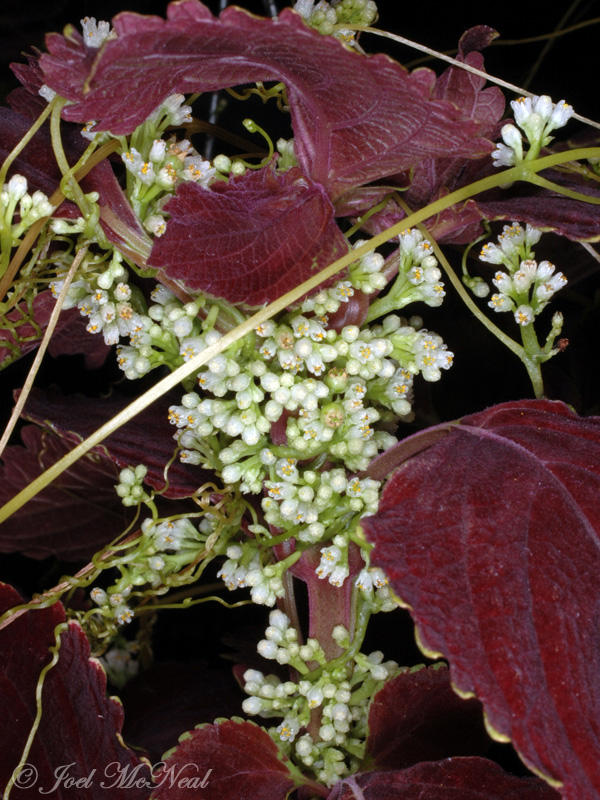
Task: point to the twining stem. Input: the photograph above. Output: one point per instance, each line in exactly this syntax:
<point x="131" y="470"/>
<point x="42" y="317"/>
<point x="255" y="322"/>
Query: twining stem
<point x="55" y="200"/>
<point x="519" y="172"/>
<point x="55" y="650"/>
<point x="16" y="413"/>
<point x="22" y="144"/>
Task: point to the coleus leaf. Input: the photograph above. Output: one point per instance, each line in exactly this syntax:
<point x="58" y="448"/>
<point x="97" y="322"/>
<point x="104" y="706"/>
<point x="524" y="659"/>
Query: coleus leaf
<point x="147" y="438"/>
<point x="249" y="240"/>
<point x="79" y="732"/>
<point x="417" y="716"/>
<point x="356" y="118"/>
<point x="549" y="210"/>
<point x="434" y="177"/>
<point x="450" y="779"/>
<point x="230" y="760"/>
<point x="21" y="332"/>
<point x="491" y="538"/>
<point x="77" y="515"/>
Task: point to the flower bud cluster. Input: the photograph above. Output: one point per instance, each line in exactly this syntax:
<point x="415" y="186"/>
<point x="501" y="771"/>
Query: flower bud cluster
<point x="167" y="323"/>
<point x="527" y="286"/>
<point x="130" y="487"/>
<point x="166" y="547"/>
<point x="332" y="17"/>
<point x="536" y="117"/>
<point x="103" y="295"/>
<point x="120" y="662"/>
<point x="15" y="199"/>
<point x="243" y="568"/>
<point x="314" y="505"/>
<point x="336" y="692"/>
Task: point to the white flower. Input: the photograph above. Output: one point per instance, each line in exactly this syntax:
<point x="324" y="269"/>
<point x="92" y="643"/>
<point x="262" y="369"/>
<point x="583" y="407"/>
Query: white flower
<point x="95" y="33"/>
<point x="503" y="156"/>
<point x="288" y="730"/>
<point x="524" y="315"/>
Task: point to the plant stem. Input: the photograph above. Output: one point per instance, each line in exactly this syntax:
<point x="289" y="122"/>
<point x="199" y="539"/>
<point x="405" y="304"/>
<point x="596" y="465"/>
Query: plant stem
<point x="16" y="413"/>
<point x="20" y="146"/>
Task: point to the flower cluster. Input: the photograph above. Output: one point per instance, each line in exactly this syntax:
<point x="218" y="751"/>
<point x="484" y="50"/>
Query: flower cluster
<point x="163" y="166"/>
<point x="527" y="286"/>
<point x="337" y="16"/>
<point x="120" y="662"/>
<point x="102" y="294"/>
<point x="244" y="568"/>
<point x="165" y="547"/>
<point x="314" y="504"/>
<point x="418" y="279"/>
<point x="537" y="117"/>
<point x="364" y="275"/>
<point x="15" y="199"/>
<point x="335" y="691"/>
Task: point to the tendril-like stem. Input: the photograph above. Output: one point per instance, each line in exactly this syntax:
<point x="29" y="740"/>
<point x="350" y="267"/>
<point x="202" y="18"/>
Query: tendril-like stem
<point x="55" y="650"/>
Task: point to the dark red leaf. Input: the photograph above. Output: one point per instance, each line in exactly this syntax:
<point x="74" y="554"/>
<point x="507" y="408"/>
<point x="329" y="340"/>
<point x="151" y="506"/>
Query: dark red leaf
<point x="491" y="538"/>
<point x="451" y="779"/>
<point x="465" y="89"/>
<point x="434" y="177"/>
<point x="249" y="240"/>
<point x="418" y="717"/>
<point x="549" y="210"/>
<point x="78" y="514"/>
<point x="233" y="759"/>
<point x="147" y="438"/>
<point x="356" y="118"/>
<point x="69" y="337"/>
<point x="78" y="736"/>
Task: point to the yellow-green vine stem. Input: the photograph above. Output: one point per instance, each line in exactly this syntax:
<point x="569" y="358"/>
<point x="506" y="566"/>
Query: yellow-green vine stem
<point x="55" y="650"/>
<point x="22" y="144"/>
<point x="519" y="172"/>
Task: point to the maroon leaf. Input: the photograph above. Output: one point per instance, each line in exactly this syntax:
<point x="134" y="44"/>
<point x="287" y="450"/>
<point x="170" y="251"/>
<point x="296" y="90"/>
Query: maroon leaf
<point x="491" y="538"/>
<point x="418" y="717"/>
<point x="249" y="240"/>
<point x="548" y="210"/>
<point x="465" y="89"/>
<point x="147" y="438"/>
<point x="69" y="337"/>
<point x="451" y="779"/>
<point x="435" y="177"/>
<point x="356" y="118"/>
<point x="78" y="735"/>
<point x="75" y="516"/>
<point x="229" y="760"/>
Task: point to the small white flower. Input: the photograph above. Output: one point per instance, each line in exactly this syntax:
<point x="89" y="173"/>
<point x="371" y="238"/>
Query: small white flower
<point x="524" y="315"/>
<point x="95" y="33"/>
